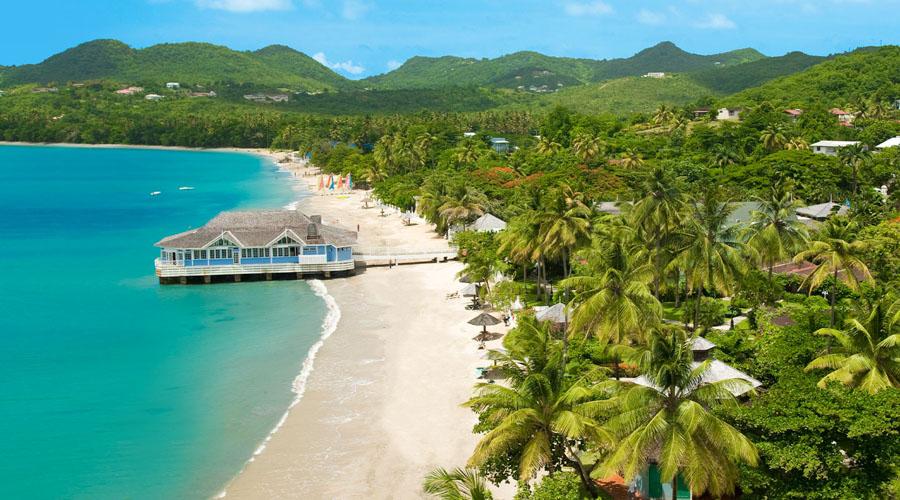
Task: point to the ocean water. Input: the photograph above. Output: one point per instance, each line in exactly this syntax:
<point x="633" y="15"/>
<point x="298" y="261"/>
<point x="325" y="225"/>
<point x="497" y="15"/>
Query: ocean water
<point x="112" y="386"/>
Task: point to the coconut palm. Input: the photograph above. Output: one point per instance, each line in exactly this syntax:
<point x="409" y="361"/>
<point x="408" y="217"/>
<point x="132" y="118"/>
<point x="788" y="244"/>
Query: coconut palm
<point x="547" y="146"/>
<point x="775" y="232"/>
<point x="462" y="206"/>
<point x="797" y="144"/>
<point x="373" y="174"/>
<point x="773" y="137"/>
<point x="656" y="216"/>
<point x="422" y="148"/>
<point x="614" y="302"/>
<point x="854" y="156"/>
<point x="712" y="256"/>
<point x="632" y="159"/>
<point x="521" y="243"/>
<point x="458" y="484"/>
<point x="868" y="352"/>
<point x="663" y="115"/>
<point x="565" y="226"/>
<point x="470" y="153"/>
<point x="724" y="156"/>
<point x="544" y="417"/>
<point x="587" y="147"/>
<point x="834" y="250"/>
<point x="673" y="423"/>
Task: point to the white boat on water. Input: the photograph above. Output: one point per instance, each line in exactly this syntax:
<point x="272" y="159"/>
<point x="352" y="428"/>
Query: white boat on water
<point x="186" y="188"/>
<point x="156" y="193"/>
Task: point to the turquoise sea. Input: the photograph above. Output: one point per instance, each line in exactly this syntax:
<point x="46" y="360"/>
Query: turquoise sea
<point x="112" y="386"/>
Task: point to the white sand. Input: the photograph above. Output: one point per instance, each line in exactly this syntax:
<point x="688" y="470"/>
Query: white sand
<point x="381" y="408"/>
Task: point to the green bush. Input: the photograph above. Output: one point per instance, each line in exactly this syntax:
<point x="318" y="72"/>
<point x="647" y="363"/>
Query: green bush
<point x="712" y="312"/>
<point x="556" y="486"/>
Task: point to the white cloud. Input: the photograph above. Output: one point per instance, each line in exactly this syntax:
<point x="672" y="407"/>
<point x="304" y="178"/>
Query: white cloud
<point x="393" y="64"/>
<point x="650" y="17"/>
<point x="354" y="9"/>
<point x="346" y="66"/>
<point x="245" y="5"/>
<point x="595" y="8"/>
<point x="716" y="22"/>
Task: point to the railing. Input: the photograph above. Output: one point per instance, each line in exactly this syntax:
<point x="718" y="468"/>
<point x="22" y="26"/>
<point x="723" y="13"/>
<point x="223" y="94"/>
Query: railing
<point x="170" y="269"/>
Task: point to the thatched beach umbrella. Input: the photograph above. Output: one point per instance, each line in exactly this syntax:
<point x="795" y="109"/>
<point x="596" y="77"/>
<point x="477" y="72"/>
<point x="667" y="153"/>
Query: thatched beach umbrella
<point x="484" y="320"/>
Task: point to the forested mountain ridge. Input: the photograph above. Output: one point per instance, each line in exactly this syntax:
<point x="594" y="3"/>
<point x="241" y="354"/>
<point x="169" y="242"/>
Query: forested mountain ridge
<point x="191" y="63"/>
<point x="526" y="69"/>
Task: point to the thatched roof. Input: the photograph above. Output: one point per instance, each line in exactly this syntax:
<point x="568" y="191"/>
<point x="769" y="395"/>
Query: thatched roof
<point x="260" y="228"/>
<point x="554" y="314"/>
<point x="484" y="319"/>
<point x="716" y="372"/>
<point x="487" y="223"/>
<point x="701" y="344"/>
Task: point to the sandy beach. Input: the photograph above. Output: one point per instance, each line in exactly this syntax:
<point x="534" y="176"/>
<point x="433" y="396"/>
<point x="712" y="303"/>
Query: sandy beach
<point x="381" y="407"/>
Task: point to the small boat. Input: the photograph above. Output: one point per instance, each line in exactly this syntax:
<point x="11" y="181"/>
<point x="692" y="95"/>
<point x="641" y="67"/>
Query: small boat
<point x="186" y="188"/>
<point x="156" y="193"/>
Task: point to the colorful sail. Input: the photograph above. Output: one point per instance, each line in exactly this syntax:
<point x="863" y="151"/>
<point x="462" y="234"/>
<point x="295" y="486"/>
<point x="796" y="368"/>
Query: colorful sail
<point x="321" y="182"/>
<point x="349" y="181"/>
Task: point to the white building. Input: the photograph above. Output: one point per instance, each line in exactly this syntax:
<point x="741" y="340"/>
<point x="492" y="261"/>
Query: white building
<point x="153" y="97"/>
<point x="830" y="148"/>
<point x="728" y="114"/>
<point x="655" y="74"/>
<point x="893" y="142"/>
<point x="487" y="223"/>
<point x="173" y="86"/>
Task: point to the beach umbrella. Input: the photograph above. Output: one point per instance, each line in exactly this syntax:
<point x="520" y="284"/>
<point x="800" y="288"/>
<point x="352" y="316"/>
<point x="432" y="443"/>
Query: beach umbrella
<point x="321" y="182"/>
<point x="470" y="290"/>
<point x="484" y="320"/>
<point x="465" y="279"/>
<point x="555" y="314"/>
<point x="517" y="305"/>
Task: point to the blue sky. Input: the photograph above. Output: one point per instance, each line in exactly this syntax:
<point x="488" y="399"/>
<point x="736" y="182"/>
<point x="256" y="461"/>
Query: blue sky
<point x="364" y="37"/>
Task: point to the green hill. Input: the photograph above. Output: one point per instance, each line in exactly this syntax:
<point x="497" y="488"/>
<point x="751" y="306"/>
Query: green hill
<point x="730" y="79"/>
<point x="531" y="69"/>
<point x="624" y="95"/>
<point x="189" y="63"/>
<point x="868" y="73"/>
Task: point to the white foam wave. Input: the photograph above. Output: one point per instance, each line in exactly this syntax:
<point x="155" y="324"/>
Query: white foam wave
<point x="298" y="386"/>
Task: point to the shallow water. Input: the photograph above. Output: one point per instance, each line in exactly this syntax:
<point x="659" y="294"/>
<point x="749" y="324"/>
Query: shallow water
<point x="112" y="386"/>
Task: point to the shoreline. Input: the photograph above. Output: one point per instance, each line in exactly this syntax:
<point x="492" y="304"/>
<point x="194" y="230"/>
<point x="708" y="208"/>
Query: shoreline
<point x="382" y="406"/>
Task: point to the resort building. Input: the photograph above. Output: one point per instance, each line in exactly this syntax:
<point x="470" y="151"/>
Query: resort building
<point x="655" y="74"/>
<point x="173" y="85"/>
<point x="261" y="244"/>
<point x="893" y="142"/>
<point x="830" y="148"/>
<point x="822" y="211"/>
<point x="153" y="97"/>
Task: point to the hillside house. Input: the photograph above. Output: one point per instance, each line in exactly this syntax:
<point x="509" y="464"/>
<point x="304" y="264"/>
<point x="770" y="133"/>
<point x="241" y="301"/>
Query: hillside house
<point x="44" y="90"/>
<point x="130" y="90"/>
<point x="728" y="114"/>
<point x="793" y="113"/>
<point x="211" y="93"/>
<point x="500" y="145"/>
<point x="701" y="112"/>
<point x="822" y="211"/>
<point x="153" y="97"/>
<point x="655" y="74"/>
<point x="844" y="117"/>
<point x="830" y="148"/>
<point x="173" y="85"/>
<point x="468" y="134"/>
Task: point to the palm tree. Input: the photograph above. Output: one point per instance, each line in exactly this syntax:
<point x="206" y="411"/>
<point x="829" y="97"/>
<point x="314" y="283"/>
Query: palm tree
<point x="566" y="226"/>
<point x="462" y="206"/>
<point x="458" y="484"/>
<point x="374" y="174"/>
<point x="724" y="156"/>
<point x="868" y="352"/>
<point x="632" y="159"/>
<point x="470" y="153"/>
<point x="775" y="232"/>
<point x="773" y="137"/>
<point x="673" y="423"/>
<point x="663" y="115"/>
<point x="544" y="416"/>
<point x="422" y="148"/>
<point x="520" y="242"/>
<point x="797" y="144"/>
<point x="587" y="147"/>
<point x="657" y="214"/>
<point x="615" y="302"/>
<point x="547" y="146"/>
<point x="835" y="250"/>
<point x="854" y="156"/>
<point x="712" y="256"/>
